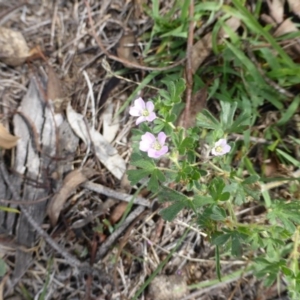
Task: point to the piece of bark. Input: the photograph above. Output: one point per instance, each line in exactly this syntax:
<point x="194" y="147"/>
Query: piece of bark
<point x="34" y="164"/>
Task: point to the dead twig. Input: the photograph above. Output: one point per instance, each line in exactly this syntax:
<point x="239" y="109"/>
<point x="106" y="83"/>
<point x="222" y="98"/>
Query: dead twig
<point x="98" y="188"/>
<point x="116" y="234"/>
<point x="188" y="68"/>
<point x="24" y="202"/>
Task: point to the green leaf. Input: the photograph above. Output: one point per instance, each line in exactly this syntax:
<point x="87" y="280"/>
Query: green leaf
<point x="167" y="195"/>
<point x="153" y="184"/>
<point x="288" y="114"/>
<point x="144" y="164"/>
<point x="236" y="247"/>
<point x="200" y="200"/>
<point x="221" y="239"/>
<point x="288" y="214"/>
<point x="224" y="196"/>
<point x="160" y="175"/>
<point x="216" y="187"/>
<point x="251" y="179"/>
<point x="134" y="176"/>
<point x="169" y="213"/>
<point x="227" y="113"/>
<point x="3" y="267"/>
<point x="288" y="157"/>
<point x="206" y="120"/>
<point x="241" y="123"/>
<point x="217" y="213"/>
<point x="9" y="209"/>
<point x="156" y="176"/>
<point x="159" y="126"/>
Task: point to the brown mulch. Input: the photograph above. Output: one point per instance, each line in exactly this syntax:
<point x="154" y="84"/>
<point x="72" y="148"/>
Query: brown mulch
<point x="66" y="60"/>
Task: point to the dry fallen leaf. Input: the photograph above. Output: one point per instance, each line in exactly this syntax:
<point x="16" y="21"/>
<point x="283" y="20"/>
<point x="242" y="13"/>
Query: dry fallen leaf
<point x="55" y="91"/>
<point x="125" y="47"/>
<point x="295" y="6"/>
<point x="198" y="103"/>
<point x="118" y="212"/>
<point x="111" y="124"/>
<point x="13" y="47"/>
<point x="287" y="26"/>
<point x="105" y="152"/>
<point x="202" y="49"/>
<point x="276" y="8"/>
<point x="7" y="140"/>
<point x="70" y="183"/>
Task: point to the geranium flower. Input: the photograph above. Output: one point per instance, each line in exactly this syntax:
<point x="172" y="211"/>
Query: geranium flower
<point x="221" y="147"/>
<point x="142" y="110"/>
<point x="154" y="146"/>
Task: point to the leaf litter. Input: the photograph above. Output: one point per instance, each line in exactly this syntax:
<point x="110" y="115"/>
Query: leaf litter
<point x="56" y="143"/>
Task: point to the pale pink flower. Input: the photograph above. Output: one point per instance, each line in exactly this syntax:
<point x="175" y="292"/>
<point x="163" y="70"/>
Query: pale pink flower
<point x="155" y="147"/>
<point x="221" y="147"/>
<point x="142" y="110"/>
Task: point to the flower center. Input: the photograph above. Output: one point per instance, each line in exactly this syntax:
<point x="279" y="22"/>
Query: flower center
<point x="156" y="145"/>
<point x="145" y="113"/>
<point x="219" y="149"/>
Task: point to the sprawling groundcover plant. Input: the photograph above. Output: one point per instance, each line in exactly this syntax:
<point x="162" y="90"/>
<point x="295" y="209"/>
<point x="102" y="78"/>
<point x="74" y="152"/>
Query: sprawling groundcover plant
<point x="205" y="167"/>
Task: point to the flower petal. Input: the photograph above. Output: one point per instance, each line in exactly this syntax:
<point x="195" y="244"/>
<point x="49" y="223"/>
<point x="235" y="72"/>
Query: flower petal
<point x="157" y="153"/>
<point x="139" y="103"/>
<point x="161" y="138"/>
<point x="220" y="142"/>
<point x="163" y="150"/>
<point x="214" y="152"/>
<point x="226" y="149"/>
<point x="147" y="140"/>
<point x="150" y="106"/>
<point x="151" y="117"/>
<point x="135" y="112"/>
<point x="140" y="120"/>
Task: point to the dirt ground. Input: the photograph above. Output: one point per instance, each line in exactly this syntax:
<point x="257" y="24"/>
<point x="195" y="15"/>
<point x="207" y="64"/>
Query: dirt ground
<point x="73" y="192"/>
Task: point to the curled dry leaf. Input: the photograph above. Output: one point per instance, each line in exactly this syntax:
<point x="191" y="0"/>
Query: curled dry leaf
<point x="70" y="183"/>
<point x="287" y="26"/>
<point x="276" y="8"/>
<point x="55" y="91"/>
<point x="125" y="47"/>
<point x="13" y="47"/>
<point x="202" y="49"/>
<point x="105" y="152"/>
<point x="295" y="6"/>
<point x="198" y="103"/>
<point x="111" y="124"/>
<point x="117" y="212"/>
<point x="7" y="140"/>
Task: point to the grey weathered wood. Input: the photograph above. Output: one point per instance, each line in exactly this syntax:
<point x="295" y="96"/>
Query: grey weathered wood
<point x="35" y="166"/>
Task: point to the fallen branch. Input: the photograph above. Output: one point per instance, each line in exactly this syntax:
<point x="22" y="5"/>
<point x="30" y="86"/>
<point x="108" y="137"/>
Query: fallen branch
<point x="98" y="188"/>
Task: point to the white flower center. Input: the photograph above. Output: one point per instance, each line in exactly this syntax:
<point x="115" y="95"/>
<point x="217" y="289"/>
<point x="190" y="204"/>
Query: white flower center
<point x="219" y="149"/>
<point x="145" y="113"/>
<point x="156" y="145"/>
